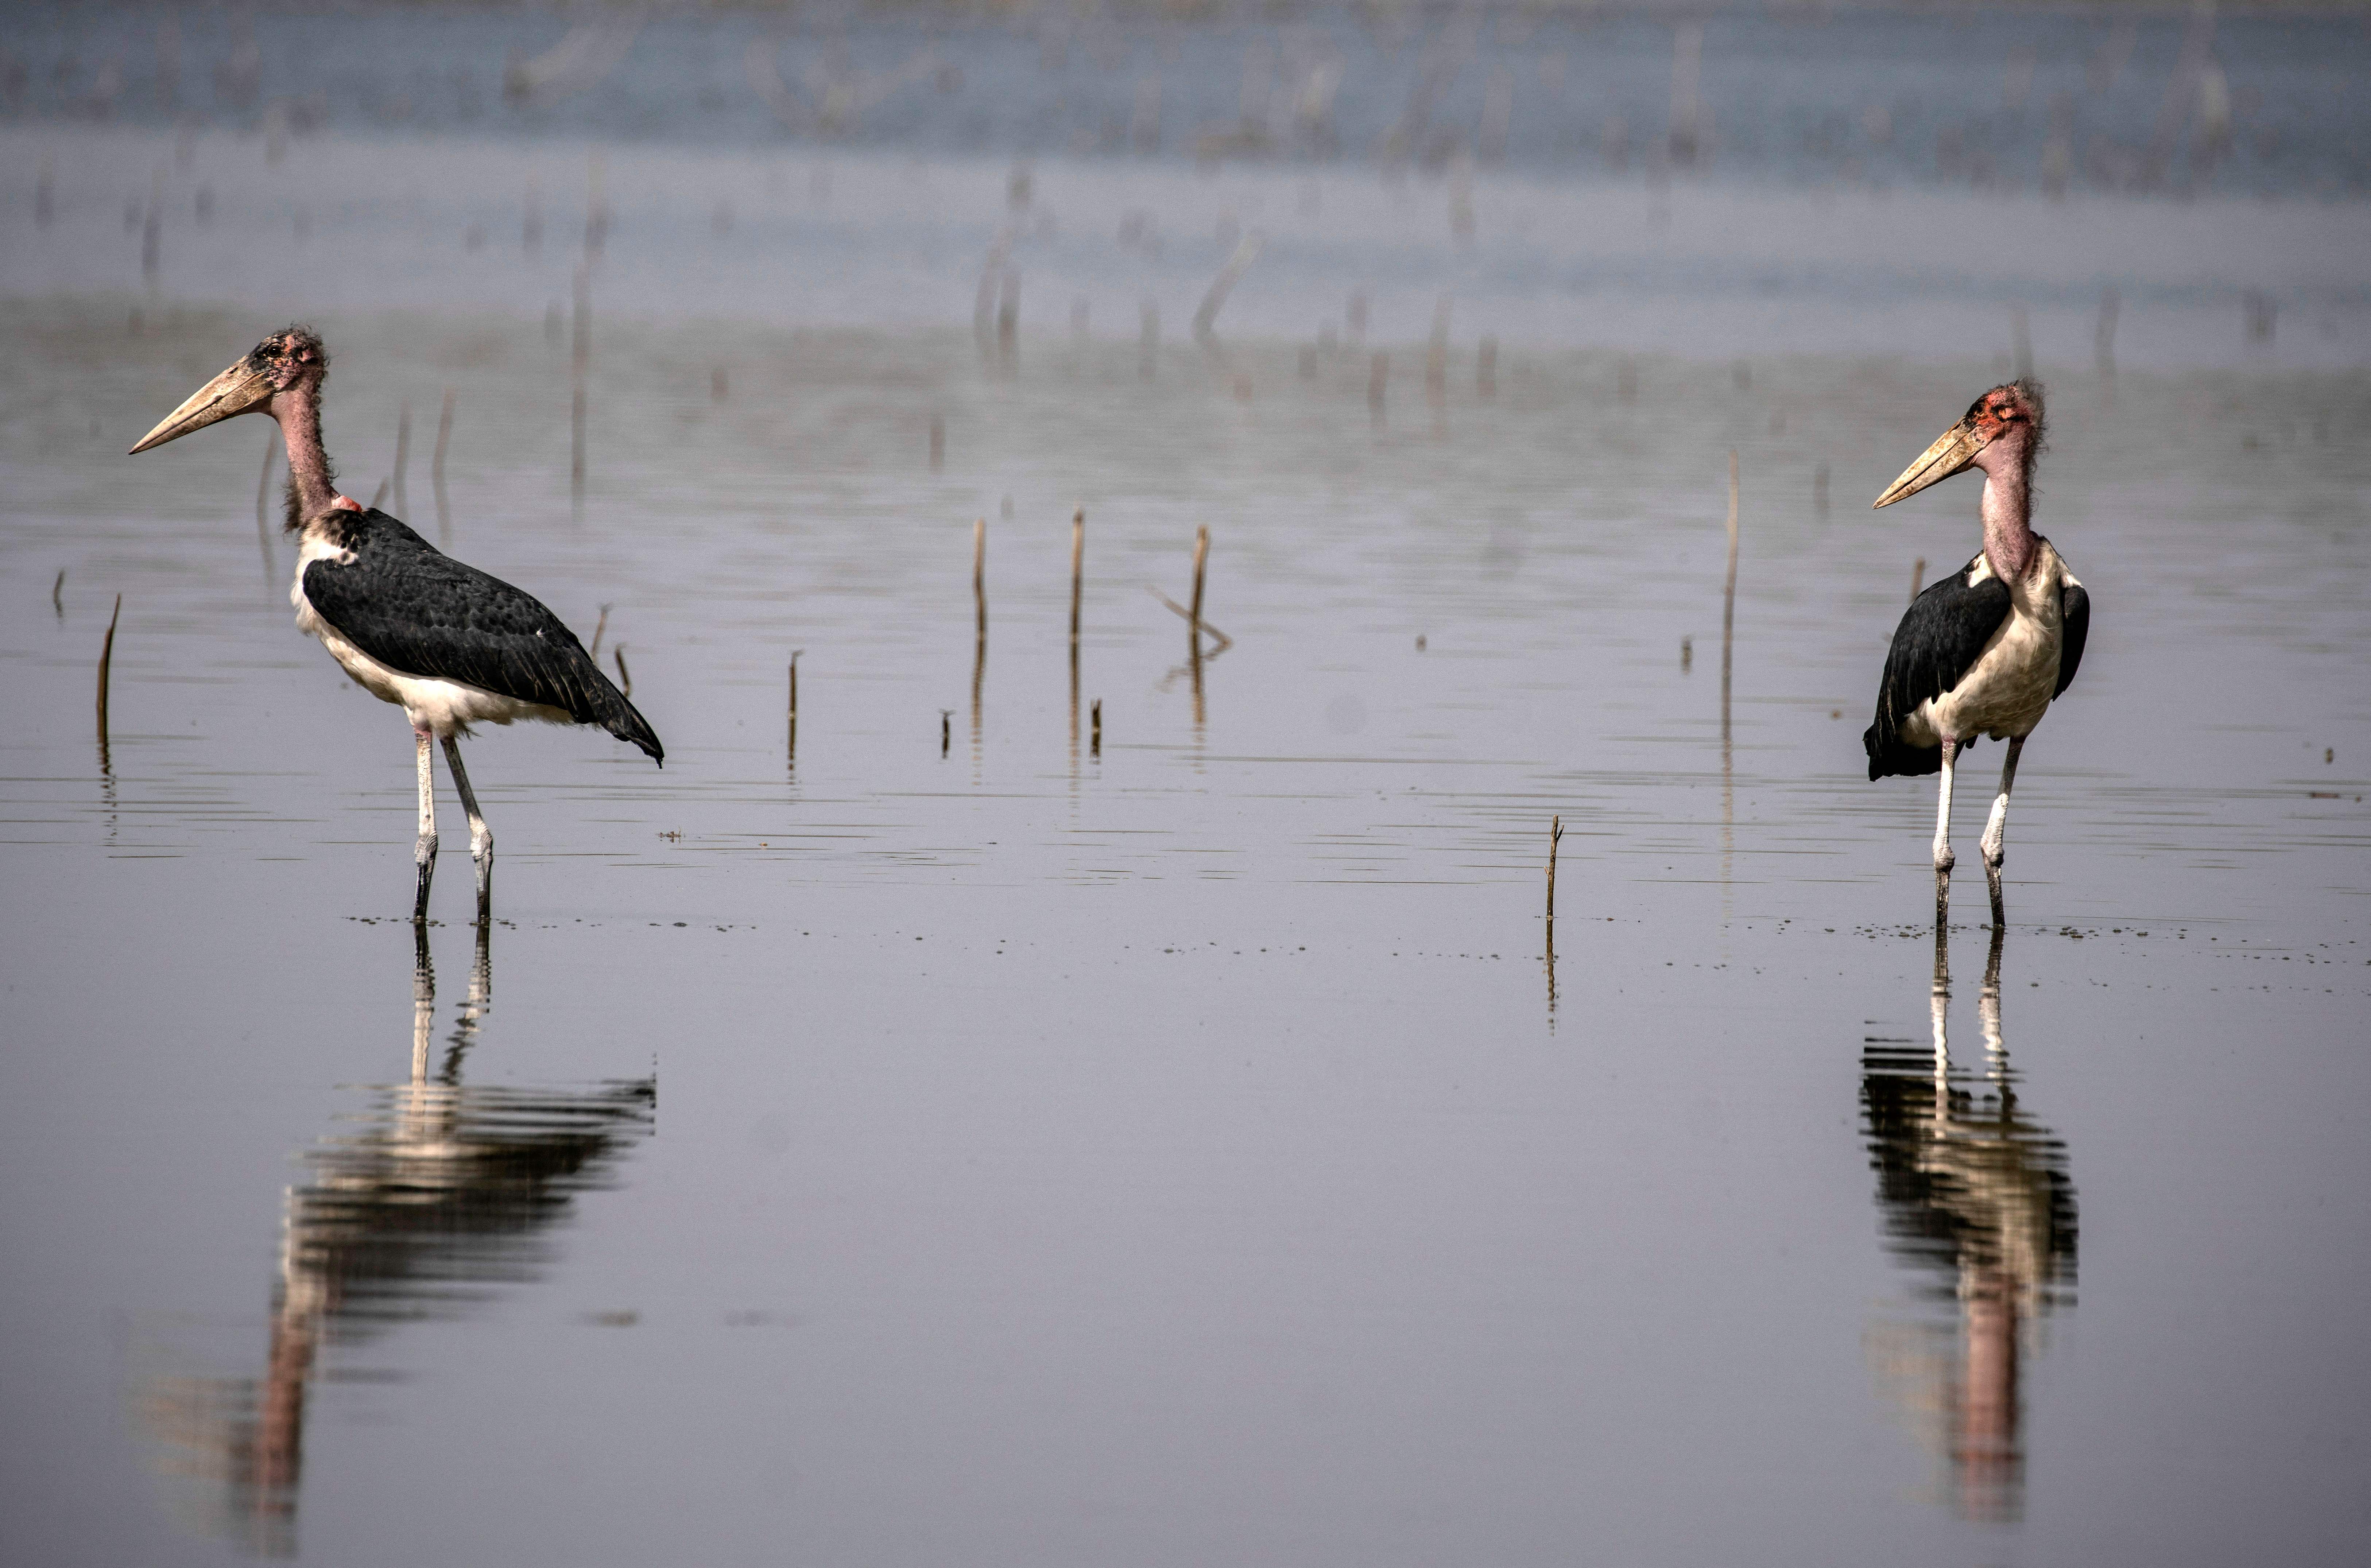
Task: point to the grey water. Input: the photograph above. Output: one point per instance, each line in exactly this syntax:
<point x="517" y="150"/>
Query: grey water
<point x="1189" y="1145"/>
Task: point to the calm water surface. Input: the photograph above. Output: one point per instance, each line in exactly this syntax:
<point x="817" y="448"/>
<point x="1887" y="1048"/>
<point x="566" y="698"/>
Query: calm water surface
<point x="1180" y="1149"/>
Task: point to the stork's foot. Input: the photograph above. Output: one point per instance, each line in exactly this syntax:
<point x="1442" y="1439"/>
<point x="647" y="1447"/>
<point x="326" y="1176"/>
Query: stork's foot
<point x="423" y="857"/>
<point x="482" y="853"/>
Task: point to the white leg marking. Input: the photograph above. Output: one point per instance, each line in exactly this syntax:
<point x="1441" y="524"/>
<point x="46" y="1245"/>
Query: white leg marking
<point x="1996" y="830"/>
<point x="1944" y="859"/>
<point x="424" y="850"/>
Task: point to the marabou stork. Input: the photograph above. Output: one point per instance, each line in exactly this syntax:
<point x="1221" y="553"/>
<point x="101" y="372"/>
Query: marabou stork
<point x="412" y="625"/>
<point x="1987" y="649"/>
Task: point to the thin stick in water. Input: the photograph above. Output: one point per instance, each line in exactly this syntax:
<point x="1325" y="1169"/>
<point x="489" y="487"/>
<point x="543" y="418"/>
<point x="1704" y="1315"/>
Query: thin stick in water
<point x="264" y="501"/>
<point x="946" y="731"/>
<point x="598" y="628"/>
<point x="1918" y="576"/>
<point x="1556" y="836"/>
<point x="979" y="576"/>
<point x="402" y="457"/>
<point x="1728" y="597"/>
<point x="1201" y="559"/>
<point x="58" y="593"/>
<point x="1095" y="729"/>
<point x="625" y="676"/>
<point x="436" y="470"/>
<point x="580" y="358"/>
<point x="792" y="751"/>
<point x="1078" y="570"/>
<point x="105" y="664"/>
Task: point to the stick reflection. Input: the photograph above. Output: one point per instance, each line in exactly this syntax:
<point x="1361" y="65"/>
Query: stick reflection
<point x="432" y="1194"/>
<point x="1975" y="1194"/>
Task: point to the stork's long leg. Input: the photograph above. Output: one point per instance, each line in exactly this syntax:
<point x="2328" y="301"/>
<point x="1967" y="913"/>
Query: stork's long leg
<point x="424" y="850"/>
<point x="1996" y="830"/>
<point x="481" y="837"/>
<point x="1944" y="859"/>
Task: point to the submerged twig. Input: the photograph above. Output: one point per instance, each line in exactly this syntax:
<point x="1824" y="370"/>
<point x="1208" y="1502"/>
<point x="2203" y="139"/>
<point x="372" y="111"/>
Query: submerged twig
<point x="625" y="676"/>
<point x="1225" y="641"/>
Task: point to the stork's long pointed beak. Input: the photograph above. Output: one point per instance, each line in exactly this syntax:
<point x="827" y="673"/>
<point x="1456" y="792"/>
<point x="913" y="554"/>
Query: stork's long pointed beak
<point x="235" y="391"/>
<point x="1953" y="451"/>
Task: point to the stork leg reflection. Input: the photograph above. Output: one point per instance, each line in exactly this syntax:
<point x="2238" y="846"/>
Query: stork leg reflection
<point x="423" y="850"/>
<point x="435" y="1195"/>
<point x="1976" y="1194"/>
<point x="481" y="837"/>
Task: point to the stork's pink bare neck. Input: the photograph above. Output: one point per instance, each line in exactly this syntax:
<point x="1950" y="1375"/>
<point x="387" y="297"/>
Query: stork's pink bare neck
<point x="2008" y="504"/>
<point x="312" y="484"/>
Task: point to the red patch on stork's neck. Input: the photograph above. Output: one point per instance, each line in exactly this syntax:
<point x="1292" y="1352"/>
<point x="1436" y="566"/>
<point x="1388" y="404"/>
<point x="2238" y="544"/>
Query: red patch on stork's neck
<point x="347" y="503"/>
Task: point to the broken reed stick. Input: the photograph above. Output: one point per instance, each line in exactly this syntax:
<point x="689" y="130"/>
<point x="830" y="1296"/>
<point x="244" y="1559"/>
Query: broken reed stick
<point x="598" y="628"/>
<point x="106" y="663"/>
<point x="402" y="456"/>
<point x="1556" y="836"/>
<point x="58" y="593"/>
<point x="1095" y="729"/>
<point x="979" y="576"/>
<point x="1078" y="568"/>
<point x="1182" y="613"/>
<point x="1917" y="577"/>
<point x="946" y="731"/>
<point x="437" y="470"/>
<point x="625" y="676"/>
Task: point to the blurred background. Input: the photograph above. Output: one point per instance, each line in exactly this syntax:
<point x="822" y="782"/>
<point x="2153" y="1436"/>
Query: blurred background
<point x="2183" y="186"/>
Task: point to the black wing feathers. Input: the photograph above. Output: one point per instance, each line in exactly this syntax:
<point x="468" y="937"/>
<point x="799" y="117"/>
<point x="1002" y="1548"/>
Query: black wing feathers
<point x="416" y="609"/>
<point x="2075" y="617"/>
<point x="1940" y="637"/>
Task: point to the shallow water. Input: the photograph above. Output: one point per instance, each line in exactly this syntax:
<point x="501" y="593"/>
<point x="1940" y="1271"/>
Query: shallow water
<point x="1024" y="1155"/>
<point x="1013" y="1149"/>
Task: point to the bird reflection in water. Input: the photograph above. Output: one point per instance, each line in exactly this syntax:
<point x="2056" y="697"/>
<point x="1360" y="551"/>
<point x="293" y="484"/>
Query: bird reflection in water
<point x="1976" y="1194"/>
<point x="439" y="1193"/>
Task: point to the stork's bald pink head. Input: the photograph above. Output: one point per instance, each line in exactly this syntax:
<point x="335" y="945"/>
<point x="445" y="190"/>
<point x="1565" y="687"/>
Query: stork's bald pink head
<point x="2001" y="432"/>
<point x="289" y="360"/>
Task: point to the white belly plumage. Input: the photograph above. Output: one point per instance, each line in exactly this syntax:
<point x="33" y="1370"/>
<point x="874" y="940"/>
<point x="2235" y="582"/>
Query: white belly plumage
<point x="440" y="707"/>
<point x="2010" y="685"/>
